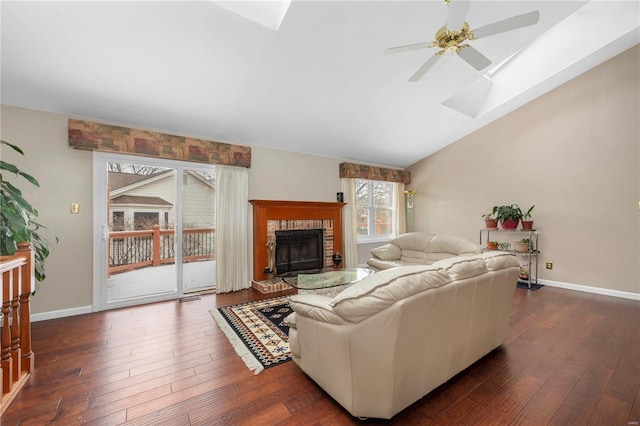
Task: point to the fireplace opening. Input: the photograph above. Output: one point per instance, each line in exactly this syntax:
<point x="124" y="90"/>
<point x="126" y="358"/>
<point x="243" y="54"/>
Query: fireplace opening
<point x="299" y="251"/>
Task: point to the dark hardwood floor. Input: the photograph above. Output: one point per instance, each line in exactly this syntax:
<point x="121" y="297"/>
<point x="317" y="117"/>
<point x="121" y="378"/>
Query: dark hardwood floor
<point x="571" y="358"/>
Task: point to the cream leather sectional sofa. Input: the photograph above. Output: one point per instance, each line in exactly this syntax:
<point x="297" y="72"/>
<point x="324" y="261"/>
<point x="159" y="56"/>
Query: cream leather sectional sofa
<point x="420" y="248"/>
<point x="388" y="340"/>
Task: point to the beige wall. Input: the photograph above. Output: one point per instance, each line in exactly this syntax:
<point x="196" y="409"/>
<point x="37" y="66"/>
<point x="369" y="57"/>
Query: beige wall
<point x="574" y="153"/>
<point x="286" y="175"/>
<point x="65" y="176"/>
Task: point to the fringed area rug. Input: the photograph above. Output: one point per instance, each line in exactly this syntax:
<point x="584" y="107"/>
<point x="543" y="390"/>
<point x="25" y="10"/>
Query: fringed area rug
<point x="257" y="331"/>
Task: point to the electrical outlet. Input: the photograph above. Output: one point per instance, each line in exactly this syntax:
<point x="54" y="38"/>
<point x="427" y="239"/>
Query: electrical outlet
<point x="549" y="265"/>
<point x="75" y="208"/>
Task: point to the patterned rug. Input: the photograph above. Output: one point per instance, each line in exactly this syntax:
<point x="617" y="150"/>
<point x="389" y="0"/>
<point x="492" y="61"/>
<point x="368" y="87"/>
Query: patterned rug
<point x="257" y="332"/>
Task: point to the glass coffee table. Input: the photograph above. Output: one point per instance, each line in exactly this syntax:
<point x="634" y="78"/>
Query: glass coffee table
<point x="328" y="283"/>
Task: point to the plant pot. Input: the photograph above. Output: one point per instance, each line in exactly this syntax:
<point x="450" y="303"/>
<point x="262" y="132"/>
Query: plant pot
<point x="521" y="247"/>
<point x="510" y="224"/>
<point x="492" y="245"/>
<point x="527" y="225"/>
<point x="491" y="223"/>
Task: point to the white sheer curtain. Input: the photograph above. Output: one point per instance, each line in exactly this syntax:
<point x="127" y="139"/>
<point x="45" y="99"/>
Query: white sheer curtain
<point x="232" y="264"/>
<point x="401" y="210"/>
<point x="350" y="247"/>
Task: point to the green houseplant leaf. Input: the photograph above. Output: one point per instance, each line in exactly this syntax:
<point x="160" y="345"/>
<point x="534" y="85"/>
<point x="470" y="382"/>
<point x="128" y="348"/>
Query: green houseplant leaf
<point x="510" y="212"/>
<point x="19" y="218"/>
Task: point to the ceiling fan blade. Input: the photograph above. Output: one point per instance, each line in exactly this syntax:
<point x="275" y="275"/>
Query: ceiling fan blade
<point x="508" y="24"/>
<point x="424" y="68"/>
<point x="407" y="48"/>
<point x="474" y="58"/>
<point x="457" y="13"/>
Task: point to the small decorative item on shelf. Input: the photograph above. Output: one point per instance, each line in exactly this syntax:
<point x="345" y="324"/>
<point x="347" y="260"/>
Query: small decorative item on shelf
<point x="492" y="245"/>
<point x="490" y="222"/>
<point x="340" y="197"/>
<point x="337" y="259"/>
<point x="527" y="222"/>
<point x="524" y="273"/>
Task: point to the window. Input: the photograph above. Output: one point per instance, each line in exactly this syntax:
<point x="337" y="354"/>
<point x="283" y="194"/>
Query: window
<point x="117" y="222"/>
<point x="375" y="213"/>
<point x="145" y="220"/>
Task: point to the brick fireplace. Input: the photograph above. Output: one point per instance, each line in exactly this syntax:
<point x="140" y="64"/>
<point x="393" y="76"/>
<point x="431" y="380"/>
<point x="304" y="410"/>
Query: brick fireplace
<point x="272" y="215"/>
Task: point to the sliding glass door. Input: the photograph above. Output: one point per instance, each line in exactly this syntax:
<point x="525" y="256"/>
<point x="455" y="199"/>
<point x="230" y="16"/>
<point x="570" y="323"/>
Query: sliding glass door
<point x="154" y="229"/>
<point x="198" y="230"/>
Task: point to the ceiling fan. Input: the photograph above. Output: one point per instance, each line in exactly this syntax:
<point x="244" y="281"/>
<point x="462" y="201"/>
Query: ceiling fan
<point x="456" y="31"/>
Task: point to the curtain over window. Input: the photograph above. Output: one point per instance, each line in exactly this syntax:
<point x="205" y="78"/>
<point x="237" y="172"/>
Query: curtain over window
<point x="232" y="192"/>
<point x="400" y="209"/>
<point x="350" y="248"/>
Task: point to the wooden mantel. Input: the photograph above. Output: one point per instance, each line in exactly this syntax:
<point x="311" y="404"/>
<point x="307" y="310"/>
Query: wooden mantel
<point x="265" y="210"/>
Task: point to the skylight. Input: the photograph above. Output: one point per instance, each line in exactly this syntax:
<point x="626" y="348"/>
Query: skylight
<point x="268" y="13"/>
<point x="570" y="44"/>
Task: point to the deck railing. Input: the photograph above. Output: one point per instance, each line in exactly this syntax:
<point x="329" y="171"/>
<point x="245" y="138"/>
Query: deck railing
<point x="130" y="250"/>
<point x="16" y="356"/>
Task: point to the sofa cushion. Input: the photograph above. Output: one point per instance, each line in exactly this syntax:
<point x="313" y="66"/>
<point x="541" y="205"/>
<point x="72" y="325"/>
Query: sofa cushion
<point x="499" y="260"/>
<point x="383" y="289"/>
<point x="290" y="320"/>
<point x="418" y="241"/>
<point x="461" y="267"/>
<point x="434" y="257"/>
<point x="453" y="245"/>
<point x="413" y="256"/>
<point x="314" y="306"/>
<point x="387" y="252"/>
<point x="379" y="264"/>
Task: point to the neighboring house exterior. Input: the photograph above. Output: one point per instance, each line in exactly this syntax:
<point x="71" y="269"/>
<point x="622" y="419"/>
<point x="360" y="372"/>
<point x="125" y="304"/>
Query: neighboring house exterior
<point x="140" y="201"/>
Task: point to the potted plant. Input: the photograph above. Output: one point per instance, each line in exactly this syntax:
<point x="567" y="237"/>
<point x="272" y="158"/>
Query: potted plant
<point x="492" y="245"/>
<point x="19" y="218"/>
<point x="504" y="246"/>
<point x="509" y="216"/>
<point x="527" y="222"/>
<point x="490" y="222"/>
<point x="521" y="246"/>
<point x="525" y="245"/>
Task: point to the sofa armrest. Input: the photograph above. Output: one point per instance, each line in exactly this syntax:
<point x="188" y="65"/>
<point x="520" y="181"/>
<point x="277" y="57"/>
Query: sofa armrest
<point x="315" y="307"/>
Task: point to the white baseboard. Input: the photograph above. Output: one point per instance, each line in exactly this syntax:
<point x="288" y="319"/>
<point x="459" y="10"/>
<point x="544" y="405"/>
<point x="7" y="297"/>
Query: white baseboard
<point x="588" y="289"/>
<point x="61" y="313"/>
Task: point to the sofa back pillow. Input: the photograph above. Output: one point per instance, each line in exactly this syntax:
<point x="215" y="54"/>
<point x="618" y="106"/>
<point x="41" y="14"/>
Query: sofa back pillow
<point x="499" y="260"/>
<point x="461" y="267"/>
<point x="413" y="256"/>
<point x="430" y="258"/>
<point x="382" y="289"/>
<point x="416" y="241"/>
<point x="453" y="245"/>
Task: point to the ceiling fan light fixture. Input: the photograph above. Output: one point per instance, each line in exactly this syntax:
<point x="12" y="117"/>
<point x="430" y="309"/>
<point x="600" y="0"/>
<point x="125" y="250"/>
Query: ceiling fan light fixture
<point x="451" y="40"/>
<point x="454" y="41"/>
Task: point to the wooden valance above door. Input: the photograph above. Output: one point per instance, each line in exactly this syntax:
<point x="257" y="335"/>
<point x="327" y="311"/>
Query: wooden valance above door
<point x="93" y="136"/>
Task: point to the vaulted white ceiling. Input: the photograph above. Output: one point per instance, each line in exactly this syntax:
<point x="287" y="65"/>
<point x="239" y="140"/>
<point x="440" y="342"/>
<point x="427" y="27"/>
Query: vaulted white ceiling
<point x="320" y="84"/>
